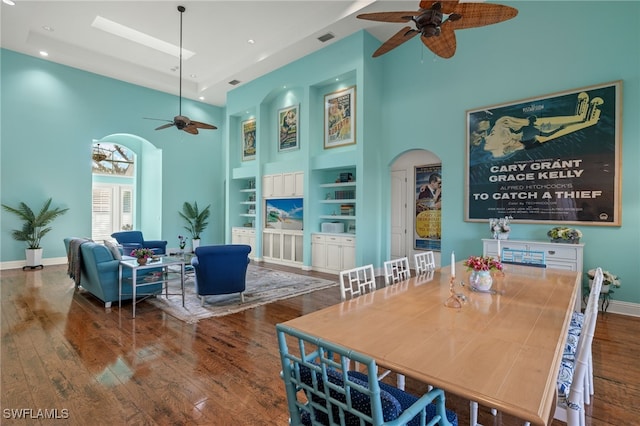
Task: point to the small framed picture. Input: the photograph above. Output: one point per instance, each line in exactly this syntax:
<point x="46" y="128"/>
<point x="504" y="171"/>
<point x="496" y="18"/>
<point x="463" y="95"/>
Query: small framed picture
<point x="288" y="138"/>
<point x="339" y="118"/>
<point x="249" y="140"/>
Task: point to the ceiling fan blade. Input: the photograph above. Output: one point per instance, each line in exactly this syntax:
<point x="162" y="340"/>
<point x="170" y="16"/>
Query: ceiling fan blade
<point x="389" y="16"/>
<point x="447" y="6"/>
<point x="191" y="129"/>
<point x="481" y="14"/>
<point x="165" y="126"/>
<point x="443" y="45"/>
<point x="407" y="33"/>
<point x="200" y="125"/>
<point x="157" y="119"/>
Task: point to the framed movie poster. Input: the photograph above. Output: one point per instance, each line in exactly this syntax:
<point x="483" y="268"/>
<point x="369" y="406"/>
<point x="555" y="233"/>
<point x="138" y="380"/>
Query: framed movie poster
<point x="339" y="118"/>
<point x="554" y="158"/>
<point x="288" y="129"/>
<point x="249" y="139"/>
<point x="427" y="229"/>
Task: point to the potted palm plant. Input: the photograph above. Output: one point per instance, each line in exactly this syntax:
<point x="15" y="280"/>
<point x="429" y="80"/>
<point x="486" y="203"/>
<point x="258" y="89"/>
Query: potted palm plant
<point x="196" y="221"/>
<point x="34" y="227"/>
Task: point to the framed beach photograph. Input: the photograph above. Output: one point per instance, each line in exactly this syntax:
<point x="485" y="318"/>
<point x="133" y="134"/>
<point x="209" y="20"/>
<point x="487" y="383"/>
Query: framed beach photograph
<point x="288" y="138"/>
<point x="553" y="158"/>
<point x="339" y="118"/>
<point x="248" y="139"/>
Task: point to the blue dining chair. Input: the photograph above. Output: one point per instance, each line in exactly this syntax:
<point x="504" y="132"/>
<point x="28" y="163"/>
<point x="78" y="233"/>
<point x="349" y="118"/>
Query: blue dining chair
<point x="321" y="390"/>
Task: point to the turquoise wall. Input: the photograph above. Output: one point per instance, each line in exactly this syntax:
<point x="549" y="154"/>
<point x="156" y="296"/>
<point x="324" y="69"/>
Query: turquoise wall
<point x="409" y="99"/>
<point x="406" y="99"/>
<point x="50" y="116"/>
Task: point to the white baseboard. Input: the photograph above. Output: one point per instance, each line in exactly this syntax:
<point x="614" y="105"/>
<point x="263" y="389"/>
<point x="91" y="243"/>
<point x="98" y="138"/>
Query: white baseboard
<point x="18" y="264"/>
<point x="624" y="308"/>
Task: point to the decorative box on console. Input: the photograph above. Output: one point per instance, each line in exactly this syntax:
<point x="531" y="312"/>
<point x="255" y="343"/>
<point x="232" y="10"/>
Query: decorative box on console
<point x="332" y="227"/>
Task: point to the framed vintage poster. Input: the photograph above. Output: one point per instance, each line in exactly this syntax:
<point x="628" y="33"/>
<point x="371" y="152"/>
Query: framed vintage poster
<point x="249" y="139"/>
<point x="554" y="158"/>
<point x="288" y="138"/>
<point x="427" y="229"/>
<point x="339" y="118"/>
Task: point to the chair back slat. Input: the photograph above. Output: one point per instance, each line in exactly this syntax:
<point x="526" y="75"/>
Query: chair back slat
<point x="321" y="390"/>
<point x="357" y="281"/>
<point x="424" y="261"/>
<point x="396" y="270"/>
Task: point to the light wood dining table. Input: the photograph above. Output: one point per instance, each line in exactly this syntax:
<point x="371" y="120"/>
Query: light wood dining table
<point x="501" y="350"/>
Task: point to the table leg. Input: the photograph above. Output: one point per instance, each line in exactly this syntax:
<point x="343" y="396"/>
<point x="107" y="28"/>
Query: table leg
<point x="182" y="281"/>
<point x="134" y="285"/>
<point x="119" y="287"/>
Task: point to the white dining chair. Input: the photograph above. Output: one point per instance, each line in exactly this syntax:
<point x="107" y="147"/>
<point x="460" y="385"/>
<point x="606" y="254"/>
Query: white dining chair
<point x="357" y="281"/>
<point x="396" y="270"/>
<point x="424" y="261"/>
<point x="572" y="379"/>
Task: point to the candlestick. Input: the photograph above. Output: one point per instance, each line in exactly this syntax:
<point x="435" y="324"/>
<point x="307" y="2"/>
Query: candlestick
<point x="453" y="264"/>
<point x="499" y="249"/>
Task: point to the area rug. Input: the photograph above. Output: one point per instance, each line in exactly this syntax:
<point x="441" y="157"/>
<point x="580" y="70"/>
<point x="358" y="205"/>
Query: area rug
<point x="264" y="286"/>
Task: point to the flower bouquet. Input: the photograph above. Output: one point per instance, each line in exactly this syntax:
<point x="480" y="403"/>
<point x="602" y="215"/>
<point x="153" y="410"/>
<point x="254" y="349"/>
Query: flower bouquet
<point x="563" y="234"/>
<point x="500" y="228"/>
<point x="182" y="241"/>
<point x="608" y="280"/>
<point x="482" y="263"/>
<point x="142" y="254"/>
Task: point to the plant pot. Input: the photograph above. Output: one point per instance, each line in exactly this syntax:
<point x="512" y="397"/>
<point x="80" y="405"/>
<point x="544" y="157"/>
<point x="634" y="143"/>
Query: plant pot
<point x="563" y="241"/>
<point x="142" y="261"/>
<point x="482" y="280"/>
<point x="502" y="236"/>
<point x="195" y="243"/>
<point x="34" y="257"/>
<point x="605" y="287"/>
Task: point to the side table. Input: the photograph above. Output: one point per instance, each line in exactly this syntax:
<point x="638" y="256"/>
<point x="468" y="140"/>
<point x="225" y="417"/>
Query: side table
<point x="163" y="262"/>
<point x="604" y="298"/>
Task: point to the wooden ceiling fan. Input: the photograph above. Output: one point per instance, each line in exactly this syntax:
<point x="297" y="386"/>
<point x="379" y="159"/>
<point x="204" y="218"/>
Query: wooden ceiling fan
<point x="183" y="122"/>
<point x="436" y="22"/>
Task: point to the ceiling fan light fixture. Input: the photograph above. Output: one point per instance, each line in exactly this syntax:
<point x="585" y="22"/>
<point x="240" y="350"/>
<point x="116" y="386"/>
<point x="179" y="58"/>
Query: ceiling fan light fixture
<point x="98" y="154"/>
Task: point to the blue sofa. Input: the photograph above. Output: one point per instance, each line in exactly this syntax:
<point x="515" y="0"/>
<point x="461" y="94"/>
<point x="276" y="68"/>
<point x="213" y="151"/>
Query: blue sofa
<point x="221" y="269"/>
<point x="130" y="240"/>
<point x="99" y="273"/>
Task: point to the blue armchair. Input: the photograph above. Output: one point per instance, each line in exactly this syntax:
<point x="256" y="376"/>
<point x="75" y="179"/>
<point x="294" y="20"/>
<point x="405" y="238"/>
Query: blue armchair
<point x="133" y="239"/>
<point x="221" y="269"/>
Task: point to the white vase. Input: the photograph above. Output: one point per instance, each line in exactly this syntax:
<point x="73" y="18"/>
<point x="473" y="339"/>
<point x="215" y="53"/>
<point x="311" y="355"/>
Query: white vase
<point x="481" y="280"/>
<point x="195" y="243"/>
<point x="503" y="235"/>
<point x="605" y="287"/>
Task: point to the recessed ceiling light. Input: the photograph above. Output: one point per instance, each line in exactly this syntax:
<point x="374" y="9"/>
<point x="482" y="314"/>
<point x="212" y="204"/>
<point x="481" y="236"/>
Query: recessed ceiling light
<point x="9" y="2"/>
<point x="43" y="53"/>
<point x="251" y="41"/>
<point x="201" y="98"/>
<point x="193" y="75"/>
<point x="47" y="28"/>
<point x="139" y="37"/>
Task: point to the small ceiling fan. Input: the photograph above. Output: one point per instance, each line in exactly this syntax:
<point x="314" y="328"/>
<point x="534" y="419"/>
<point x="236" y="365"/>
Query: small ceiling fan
<point x="180" y="121"/>
<point x="436" y="22"/>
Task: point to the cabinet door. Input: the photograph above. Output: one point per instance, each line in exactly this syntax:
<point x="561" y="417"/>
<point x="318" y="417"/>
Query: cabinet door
<point x="348" y="257"/>
<point x="278" y="185"/>
<point x="334" y="253"/>
<point x="267" y="186"/>
<point x="267" y="242"/>
<point x="318" y="252"/>
<point x="235" y="237"/>
<point x="299" y="187"/>
<point x="288" y="184"/>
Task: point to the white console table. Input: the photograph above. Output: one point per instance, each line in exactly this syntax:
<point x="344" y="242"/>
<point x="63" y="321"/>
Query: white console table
<point x="558" y="255"/>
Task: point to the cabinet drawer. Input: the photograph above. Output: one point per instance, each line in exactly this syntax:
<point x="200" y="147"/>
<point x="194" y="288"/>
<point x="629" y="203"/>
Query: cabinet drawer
<point x="565" y="266"/>
<point x="317" y="238"/>
<point x="565" y="253"/>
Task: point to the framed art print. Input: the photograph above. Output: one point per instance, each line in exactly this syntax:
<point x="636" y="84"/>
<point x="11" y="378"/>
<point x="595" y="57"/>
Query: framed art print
<point x="553" y="158"/>
<point x="428" y="196"/>
<point x="339" y="118"/>
<point x="249" y="139"/>
<point x="288" y="138"/>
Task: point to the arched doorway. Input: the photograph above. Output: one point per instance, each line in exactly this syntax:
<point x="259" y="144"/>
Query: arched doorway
<point x="407" y="171"/>
<point x="137" y="194"/>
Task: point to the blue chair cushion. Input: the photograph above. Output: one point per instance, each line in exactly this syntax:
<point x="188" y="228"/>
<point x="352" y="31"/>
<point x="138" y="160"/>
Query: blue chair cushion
<point x="405" y="400"/>
<point x="391" y="408"/>
<point x="565" y="376"/>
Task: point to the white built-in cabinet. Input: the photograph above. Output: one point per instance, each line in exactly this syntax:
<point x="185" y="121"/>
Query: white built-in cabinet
<point x="557" y="255"/>
<point x="240" y="235"/>
<point x="282" y="246"/>
<point x="333" y="253"/>
<point x="283" y="185"/>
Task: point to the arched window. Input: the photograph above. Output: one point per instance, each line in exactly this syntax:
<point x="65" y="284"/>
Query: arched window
<point x="113" y="196"/>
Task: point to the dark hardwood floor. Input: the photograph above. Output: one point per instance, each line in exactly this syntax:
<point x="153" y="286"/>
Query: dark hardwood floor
<point x="64" y="353"/>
